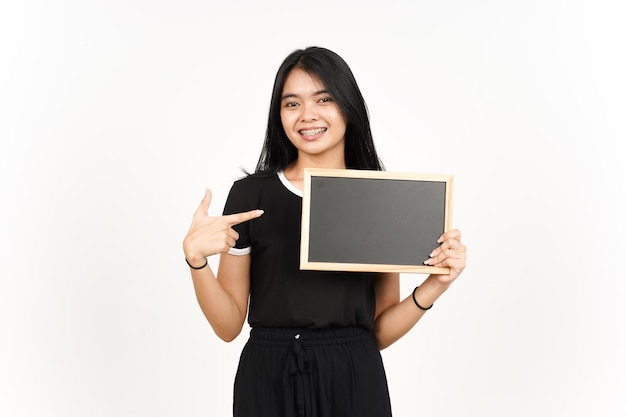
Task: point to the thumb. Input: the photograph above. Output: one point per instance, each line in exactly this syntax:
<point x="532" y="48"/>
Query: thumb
<point x="203" y="208"/>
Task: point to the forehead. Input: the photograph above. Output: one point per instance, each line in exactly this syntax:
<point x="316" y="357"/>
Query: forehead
<point x="299" y="82"/>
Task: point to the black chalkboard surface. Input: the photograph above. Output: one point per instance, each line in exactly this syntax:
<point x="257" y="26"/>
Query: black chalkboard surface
<point x="354" y="220"/>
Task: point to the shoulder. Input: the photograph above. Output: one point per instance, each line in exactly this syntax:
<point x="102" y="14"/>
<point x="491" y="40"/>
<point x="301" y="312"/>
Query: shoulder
<point x="253" y="182"/>
<point x="248" y="191"/>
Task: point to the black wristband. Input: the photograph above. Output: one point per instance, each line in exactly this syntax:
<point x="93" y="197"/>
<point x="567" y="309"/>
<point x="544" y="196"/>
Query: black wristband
<point x="418" y="304"/>
<point x="206" y="262"/>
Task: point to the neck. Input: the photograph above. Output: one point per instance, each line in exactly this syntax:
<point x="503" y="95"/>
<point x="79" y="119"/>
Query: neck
<point x="295" y="170"/>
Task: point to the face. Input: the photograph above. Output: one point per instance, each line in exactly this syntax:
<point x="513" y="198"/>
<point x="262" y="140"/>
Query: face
<point x="311" y="118"/>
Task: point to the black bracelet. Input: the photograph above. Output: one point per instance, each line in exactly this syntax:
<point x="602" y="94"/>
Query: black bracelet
<point x="418" y="304"/>
<point x="206" y="262"/>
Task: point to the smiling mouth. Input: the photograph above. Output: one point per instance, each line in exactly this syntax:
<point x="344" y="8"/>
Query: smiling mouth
<point x="312" y="132"/>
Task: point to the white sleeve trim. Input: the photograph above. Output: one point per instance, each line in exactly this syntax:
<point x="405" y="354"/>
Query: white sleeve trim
<point x="239" y="252"/>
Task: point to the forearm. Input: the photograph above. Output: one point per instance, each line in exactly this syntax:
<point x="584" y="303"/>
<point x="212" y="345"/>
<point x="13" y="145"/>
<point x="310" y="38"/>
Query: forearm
<point x="219" y="308"/>
<point x="397" y="320"/>
<point x="223" y="300"/>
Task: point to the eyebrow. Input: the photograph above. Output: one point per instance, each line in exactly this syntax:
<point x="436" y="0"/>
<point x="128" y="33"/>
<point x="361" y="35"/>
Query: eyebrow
<point x="292" y="95"/>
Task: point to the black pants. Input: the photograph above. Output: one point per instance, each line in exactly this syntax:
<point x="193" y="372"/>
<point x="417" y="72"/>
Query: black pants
<point x="311" y="373"/>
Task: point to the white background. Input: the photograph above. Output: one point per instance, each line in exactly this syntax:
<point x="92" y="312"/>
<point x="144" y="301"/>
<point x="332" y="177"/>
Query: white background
<point x="114" y="116"/>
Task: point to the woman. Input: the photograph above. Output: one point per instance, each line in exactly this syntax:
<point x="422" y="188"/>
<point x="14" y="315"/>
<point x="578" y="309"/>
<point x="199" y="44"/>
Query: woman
<point x="314" y="345"/>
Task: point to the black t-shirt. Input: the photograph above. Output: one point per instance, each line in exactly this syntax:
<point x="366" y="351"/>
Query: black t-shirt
<point x="281" y="295"/>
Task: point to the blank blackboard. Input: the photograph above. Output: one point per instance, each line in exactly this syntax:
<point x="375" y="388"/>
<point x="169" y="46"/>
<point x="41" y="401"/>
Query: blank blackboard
<point x="355" y="220"/>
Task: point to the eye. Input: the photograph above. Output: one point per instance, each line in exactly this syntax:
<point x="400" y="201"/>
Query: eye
<point x="325" y="100"/>
<point x="290" y="104"/>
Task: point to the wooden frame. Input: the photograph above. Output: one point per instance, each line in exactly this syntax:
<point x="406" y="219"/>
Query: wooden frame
<point x="373" y="221"/>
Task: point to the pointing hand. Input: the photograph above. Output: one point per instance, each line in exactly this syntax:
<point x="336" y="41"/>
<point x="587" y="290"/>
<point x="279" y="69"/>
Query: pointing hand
<point x="211" y="235"/>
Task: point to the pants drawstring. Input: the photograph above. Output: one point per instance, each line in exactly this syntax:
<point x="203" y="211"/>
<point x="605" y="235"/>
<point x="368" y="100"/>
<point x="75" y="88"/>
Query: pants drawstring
<point x="297" y="373"/>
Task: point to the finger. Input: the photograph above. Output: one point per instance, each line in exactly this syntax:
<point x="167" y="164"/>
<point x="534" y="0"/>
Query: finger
<point x="448" y="244"/>
<point x="435" y="258"/>
<point x="203" y="208"/>
<point x="446" y="262"/>
<point x="450" y="234"/>
<point x="226" y="244"/>
<point x="237" y="218"/>
<point x="439" y="256"/>
<point x="230" y="242"/>
<point x="456" y="265"/>
<point x="232" y="233"/>
<point x="454" y="270"/>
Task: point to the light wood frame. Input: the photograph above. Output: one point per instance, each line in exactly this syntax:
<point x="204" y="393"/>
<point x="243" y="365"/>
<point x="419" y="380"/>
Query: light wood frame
<point x="311" y="175"/>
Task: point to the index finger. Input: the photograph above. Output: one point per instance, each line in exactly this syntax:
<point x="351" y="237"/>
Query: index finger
<point x="237" y="218"/>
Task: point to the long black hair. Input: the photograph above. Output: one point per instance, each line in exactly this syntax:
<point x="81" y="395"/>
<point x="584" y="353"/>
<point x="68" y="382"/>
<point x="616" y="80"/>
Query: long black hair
<point x="335" y="74"/>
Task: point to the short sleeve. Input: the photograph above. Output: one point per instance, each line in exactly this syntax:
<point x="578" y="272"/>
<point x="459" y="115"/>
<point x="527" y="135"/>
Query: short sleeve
<point x="237" y="202"/>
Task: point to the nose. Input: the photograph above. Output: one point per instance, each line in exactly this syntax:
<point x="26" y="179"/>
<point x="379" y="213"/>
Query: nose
<point x="309" y="113"/>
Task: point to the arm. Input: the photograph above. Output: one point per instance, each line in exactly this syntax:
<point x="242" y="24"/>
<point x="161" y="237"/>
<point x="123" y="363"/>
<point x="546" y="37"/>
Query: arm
<point x="394" y="318"/>
<point x="223" y="300"/>
<point x="399" y="317"/>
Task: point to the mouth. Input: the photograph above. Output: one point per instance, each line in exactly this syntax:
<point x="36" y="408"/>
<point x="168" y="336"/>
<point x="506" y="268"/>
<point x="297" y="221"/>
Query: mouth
<point x="312" y="132"/>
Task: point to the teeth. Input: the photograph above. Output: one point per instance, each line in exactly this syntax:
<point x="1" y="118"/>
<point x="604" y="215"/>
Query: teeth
<point x="313" y="132"/>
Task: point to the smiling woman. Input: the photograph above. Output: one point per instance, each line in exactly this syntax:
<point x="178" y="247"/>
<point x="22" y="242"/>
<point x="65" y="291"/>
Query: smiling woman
<point x="312" y="121"/>
<point x="314" y="347"/>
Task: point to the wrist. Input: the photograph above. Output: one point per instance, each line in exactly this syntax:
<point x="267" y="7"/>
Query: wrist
<point x="417" y="303"/>
<point x="425" y="295"/>
<point x="192" y="255"/>
<point x="434" y="283"/>
<point x="196" y="262"/>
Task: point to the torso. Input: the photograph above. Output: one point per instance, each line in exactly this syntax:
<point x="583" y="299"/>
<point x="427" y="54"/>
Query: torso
<point x="282" y="295"/>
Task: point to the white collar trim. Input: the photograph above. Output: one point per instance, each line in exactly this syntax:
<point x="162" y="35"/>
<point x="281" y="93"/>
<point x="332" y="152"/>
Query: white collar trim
<point x="288" y="185"/>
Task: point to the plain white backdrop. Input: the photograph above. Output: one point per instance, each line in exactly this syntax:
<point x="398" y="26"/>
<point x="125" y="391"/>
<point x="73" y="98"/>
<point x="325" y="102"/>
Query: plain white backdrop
<point x="115" y="115"/>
